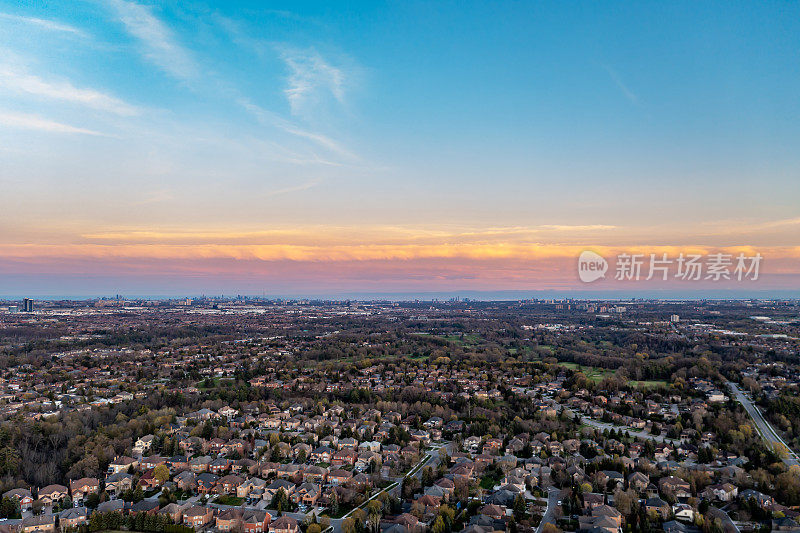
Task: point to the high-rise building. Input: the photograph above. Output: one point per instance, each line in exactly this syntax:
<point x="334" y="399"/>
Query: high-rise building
<point x="27" y="305"/>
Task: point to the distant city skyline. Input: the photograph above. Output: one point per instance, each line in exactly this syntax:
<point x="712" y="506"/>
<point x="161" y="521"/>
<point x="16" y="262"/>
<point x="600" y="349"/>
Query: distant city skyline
<point x="307" y="149"/>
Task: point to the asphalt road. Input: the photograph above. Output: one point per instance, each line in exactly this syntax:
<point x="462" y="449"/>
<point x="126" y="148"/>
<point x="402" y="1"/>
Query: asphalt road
<point x="549" y="516"/>
<point x="766" y="430"/>
<point x="605" y="425"/>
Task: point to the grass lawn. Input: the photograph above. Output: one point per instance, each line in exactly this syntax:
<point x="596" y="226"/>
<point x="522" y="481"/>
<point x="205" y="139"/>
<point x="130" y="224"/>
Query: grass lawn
<point x="597" y="375"/>
<point x="469" y="339"/>
<point x="343" y="510"/>
<point x="648" y="384"/>
<point x="229" y="500"/>
<point x="488" y="482"/>
<point x="592" y="373"/>
<point x="202" y="383"/>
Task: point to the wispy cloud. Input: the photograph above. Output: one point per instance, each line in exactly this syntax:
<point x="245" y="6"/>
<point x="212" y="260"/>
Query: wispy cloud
<point x="159" y="44"/>
<point x="268" y="117"/>
<point x="311" y="79"/>
<point x="43" y="23"/>
<point x="33" y="122"/>
<point x="20" y="81"/>
<point x="320" y="139"/>
<point x="295" y="188"/>
<point x="615" y="77"/>
<point x="565" y="227"/>
<point x="779" y="223"/>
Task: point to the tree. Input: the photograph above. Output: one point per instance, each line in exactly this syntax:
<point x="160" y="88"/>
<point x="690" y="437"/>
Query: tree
<point x="427" y="476"/>
<point x="161" y="473"/>
<point x="438" y="525"/>
<point x="324" y="522"/>
<point x="334" y="503"/>
<point x="410" y="487"/>
<point x="520" y="508"/>
<point x="703" y="507"/>
<point x="313" y="528"/>
<point x="37" y="506"/>
<point x="65" y="503"/>
<point x="448" y="515"/>
<point x="374" y="508"/>
<point x="280" y="501"/>
<point x="550" y="528"/>
<point x="349" y="525"/>
<point x="374" y="512"/>
<point x="624" y="501"/>
<point x="9" y="508"/>
<point x="92" y="500"/>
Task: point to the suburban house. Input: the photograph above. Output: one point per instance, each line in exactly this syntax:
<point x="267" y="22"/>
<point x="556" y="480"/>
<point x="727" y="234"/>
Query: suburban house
<point x="81" y="488"/>
<point x="73" y="517"/>
<point x="197" y="516"/>
<point x="36" y="523"/>
<point x="22" y="496"/>
<point x="52" y="493"/>
<point x="284" y="524"/>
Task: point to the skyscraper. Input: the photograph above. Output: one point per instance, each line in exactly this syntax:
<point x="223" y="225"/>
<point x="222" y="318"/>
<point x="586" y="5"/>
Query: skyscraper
<point x="27" y="305"/>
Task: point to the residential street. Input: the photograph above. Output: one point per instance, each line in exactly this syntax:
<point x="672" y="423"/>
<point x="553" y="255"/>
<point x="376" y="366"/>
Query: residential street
<point x="550" y="514"/>
<point x="605" y="425"/>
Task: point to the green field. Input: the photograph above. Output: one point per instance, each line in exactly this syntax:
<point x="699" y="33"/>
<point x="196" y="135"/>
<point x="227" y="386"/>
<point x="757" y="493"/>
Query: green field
<point x="597" y="375"/>
<point x="648" y="383"/>
<point x="469" y="339"/>
<point x="593" y="373"/>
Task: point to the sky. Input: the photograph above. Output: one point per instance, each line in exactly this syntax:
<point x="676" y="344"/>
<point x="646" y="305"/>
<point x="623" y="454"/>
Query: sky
<point x="324" y="149"/>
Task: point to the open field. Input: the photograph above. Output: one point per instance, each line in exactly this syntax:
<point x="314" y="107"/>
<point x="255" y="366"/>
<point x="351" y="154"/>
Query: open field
<point x="597" y="374"/>
<point x="468" y="339"/>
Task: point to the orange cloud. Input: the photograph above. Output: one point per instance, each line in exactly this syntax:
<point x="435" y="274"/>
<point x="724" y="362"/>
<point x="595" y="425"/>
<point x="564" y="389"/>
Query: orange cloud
<point x="376" y="257"/>
<point x="361" y="252"/>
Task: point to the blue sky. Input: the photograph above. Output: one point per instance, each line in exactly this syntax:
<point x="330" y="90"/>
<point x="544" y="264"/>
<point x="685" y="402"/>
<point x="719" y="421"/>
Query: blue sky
<point x="651" y="122"/>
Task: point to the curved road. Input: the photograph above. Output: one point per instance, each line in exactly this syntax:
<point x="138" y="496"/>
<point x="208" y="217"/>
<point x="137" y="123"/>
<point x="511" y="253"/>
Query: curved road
<point x="549" y="516"/>
<point x="597" y="424"/>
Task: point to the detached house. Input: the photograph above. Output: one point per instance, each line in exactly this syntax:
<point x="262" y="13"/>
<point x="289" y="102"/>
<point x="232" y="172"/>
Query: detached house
<point x="52" y="494"/>
<point x="22" y="496"/>
<point x="81" y="488"/>
<point x="197" y="516"/>
<point x="122" y="464"/>
<point x="723" y="492"/>
<point x="229" y="484"/>
<point x="675" y="486"/>
<point x="284" y="524"/>
<point x="34" y="524"/>
<point x="118" y="483"/>
<point x="248" y="521"/>
<point x="74" y="517"/>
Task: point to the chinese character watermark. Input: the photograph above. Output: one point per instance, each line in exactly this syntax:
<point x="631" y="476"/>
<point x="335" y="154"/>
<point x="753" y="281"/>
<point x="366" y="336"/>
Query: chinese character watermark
<point x="684" y="267"/>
